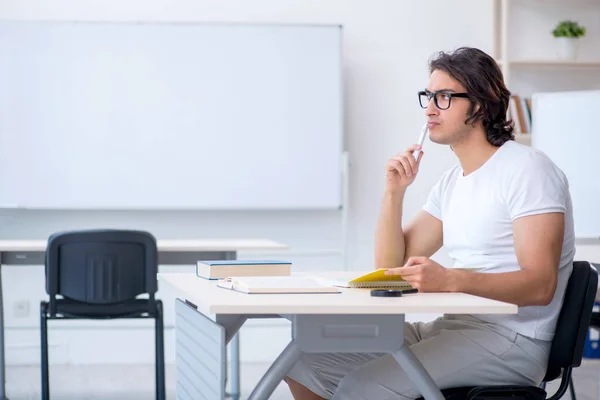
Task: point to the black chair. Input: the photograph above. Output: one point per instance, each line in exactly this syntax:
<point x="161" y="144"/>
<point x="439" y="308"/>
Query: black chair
<point x="566" y="351"/>
<point x="99" y="274"/>
<point x="594" y="323"/>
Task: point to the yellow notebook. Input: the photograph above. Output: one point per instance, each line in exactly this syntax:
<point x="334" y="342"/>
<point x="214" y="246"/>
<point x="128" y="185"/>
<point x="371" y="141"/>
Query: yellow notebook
<point x="377" y="279"/>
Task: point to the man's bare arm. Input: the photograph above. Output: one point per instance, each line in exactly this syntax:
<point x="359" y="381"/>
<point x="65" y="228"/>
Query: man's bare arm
<point x="389" y="237"/>
<point x="422" y="236"/>
<point x="393" y="244"/>
<point x="538" y="244"/>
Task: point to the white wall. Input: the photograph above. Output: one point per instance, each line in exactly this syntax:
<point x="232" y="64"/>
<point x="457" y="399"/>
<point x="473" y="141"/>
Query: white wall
<point x="386" y="47"/>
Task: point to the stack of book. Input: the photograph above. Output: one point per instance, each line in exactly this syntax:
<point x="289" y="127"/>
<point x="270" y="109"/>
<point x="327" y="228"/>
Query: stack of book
<point x="221" y="269"/>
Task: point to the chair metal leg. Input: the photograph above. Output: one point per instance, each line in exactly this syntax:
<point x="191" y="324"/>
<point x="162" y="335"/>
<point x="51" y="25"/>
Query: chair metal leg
<point x="572" y="389"/>
<point x="235" y="367"/>
<point x="226" y="377"/>
<point x="160" y="352"/>
<point x="44" y="351"/>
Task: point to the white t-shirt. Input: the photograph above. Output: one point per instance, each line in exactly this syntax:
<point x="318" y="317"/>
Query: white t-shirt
<point x="477" y="212"/>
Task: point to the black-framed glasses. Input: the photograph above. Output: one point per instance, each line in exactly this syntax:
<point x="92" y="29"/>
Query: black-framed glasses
<point x="441" y="99"/>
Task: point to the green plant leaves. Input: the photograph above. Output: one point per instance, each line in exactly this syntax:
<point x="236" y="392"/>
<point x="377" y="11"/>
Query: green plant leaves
<point x="569" y="29"/>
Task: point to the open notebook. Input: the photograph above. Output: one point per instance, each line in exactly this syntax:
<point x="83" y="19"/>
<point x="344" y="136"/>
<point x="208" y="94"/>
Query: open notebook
<point x="276" y="284"/>
<point x="377" y="279"/>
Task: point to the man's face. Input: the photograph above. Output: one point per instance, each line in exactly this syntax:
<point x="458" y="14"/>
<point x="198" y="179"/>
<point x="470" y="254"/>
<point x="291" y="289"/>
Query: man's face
<point x="447" y="126"/>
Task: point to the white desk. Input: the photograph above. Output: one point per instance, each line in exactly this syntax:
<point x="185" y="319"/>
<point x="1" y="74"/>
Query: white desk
<point x="207" y="317"/>
<point x="170" y="252"/>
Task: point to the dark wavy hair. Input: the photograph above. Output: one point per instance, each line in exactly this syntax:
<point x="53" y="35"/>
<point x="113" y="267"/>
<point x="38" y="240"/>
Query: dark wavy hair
<point x="482" y="78"/>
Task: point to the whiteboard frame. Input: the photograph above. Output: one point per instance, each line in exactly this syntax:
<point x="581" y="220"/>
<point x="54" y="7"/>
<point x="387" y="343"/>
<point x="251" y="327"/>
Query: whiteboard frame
<point x="343" y="156"/>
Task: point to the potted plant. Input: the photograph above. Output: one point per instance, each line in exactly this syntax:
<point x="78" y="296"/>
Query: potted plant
<point x="567" y="34"/>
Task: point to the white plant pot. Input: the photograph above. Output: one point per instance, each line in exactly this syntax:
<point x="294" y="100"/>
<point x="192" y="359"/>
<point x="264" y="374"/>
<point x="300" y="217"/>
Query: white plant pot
<point x="567" y="48"/>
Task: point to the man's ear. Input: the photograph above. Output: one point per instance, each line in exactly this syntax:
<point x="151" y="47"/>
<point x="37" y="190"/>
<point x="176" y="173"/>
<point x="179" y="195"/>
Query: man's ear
<point x="473" y="108"/>
<point x="473" y="111"/>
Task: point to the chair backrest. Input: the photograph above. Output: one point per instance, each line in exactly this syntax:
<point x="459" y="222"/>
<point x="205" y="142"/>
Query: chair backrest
<point x="101" y="266"/>
<point x="574" y="319"/>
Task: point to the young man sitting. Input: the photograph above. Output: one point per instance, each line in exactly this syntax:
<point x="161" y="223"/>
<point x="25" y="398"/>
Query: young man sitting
<point x="504" y="207"/>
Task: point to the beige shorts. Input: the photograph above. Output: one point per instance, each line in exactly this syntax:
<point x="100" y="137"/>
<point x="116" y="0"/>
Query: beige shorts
<point x="455" y="350"/>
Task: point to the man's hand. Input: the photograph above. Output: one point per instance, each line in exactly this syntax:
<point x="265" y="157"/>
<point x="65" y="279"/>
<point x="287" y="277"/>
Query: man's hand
<point x="401" y="170"/>
<point x="425" y="275"/>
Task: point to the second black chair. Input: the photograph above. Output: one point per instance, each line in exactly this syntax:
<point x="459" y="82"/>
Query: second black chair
<point x="101" y="274"/>
<point x="567" y="346"/>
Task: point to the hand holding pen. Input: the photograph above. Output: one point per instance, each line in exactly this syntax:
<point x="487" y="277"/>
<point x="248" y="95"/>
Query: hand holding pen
<point x="402" y="169"/>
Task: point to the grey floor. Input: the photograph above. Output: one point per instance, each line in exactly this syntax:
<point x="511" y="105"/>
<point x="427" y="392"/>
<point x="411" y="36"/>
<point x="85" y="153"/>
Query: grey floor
<point x="136" y="382"/>
<point x="111" y="382"/>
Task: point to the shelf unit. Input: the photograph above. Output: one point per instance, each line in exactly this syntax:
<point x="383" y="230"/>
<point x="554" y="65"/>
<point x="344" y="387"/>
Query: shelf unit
<point x="527" y="25"/>
<point x="550" y="63"/>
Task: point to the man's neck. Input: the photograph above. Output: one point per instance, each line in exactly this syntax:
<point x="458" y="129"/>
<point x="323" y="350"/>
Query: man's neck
<point x="473" y="152"/>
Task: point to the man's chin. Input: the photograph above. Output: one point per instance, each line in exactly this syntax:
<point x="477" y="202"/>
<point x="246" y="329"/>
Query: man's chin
<point x="439" y="139"/>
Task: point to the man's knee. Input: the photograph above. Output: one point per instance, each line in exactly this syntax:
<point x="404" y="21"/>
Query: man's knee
<point x="349" y="388"/>
<point x="360" y="384"/>
<point x="292" y="384"/>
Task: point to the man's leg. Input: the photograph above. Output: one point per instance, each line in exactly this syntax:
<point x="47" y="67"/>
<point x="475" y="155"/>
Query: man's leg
<point x="300" y="392"/>
<point x="455" y="353"/>
<point x="321" y="373"/>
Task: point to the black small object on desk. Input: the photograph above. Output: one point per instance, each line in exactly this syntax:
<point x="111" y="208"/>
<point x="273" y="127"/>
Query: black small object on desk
<point x="391" y="292"/>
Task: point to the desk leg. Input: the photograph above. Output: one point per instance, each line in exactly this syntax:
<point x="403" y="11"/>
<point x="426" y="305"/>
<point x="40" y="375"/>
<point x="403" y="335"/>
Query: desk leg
<point x="2" y="362"/>
<point x="276" y="372"/>
<point x="235" y="367"/>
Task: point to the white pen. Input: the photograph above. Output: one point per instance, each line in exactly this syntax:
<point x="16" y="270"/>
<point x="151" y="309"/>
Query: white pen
<point x="420" y="141"/>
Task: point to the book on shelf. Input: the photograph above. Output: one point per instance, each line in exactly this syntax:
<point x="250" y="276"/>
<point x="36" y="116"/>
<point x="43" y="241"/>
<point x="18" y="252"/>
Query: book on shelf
<point x="528" y="108"/>
<point x="219" y="269"/>
<point x="519" y="111"/>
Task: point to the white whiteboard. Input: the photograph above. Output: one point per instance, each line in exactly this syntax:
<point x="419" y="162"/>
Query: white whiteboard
<point x="170" y="116"/>
<point x="565" y="127"/>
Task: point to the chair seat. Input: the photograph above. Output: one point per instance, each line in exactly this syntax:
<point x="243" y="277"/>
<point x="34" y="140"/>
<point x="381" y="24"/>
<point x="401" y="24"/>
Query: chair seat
<point x="127" y="309"/>
<point x="506" y="392"/>
<point x="500" y="392"/>
<point x="457" y="393"/>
